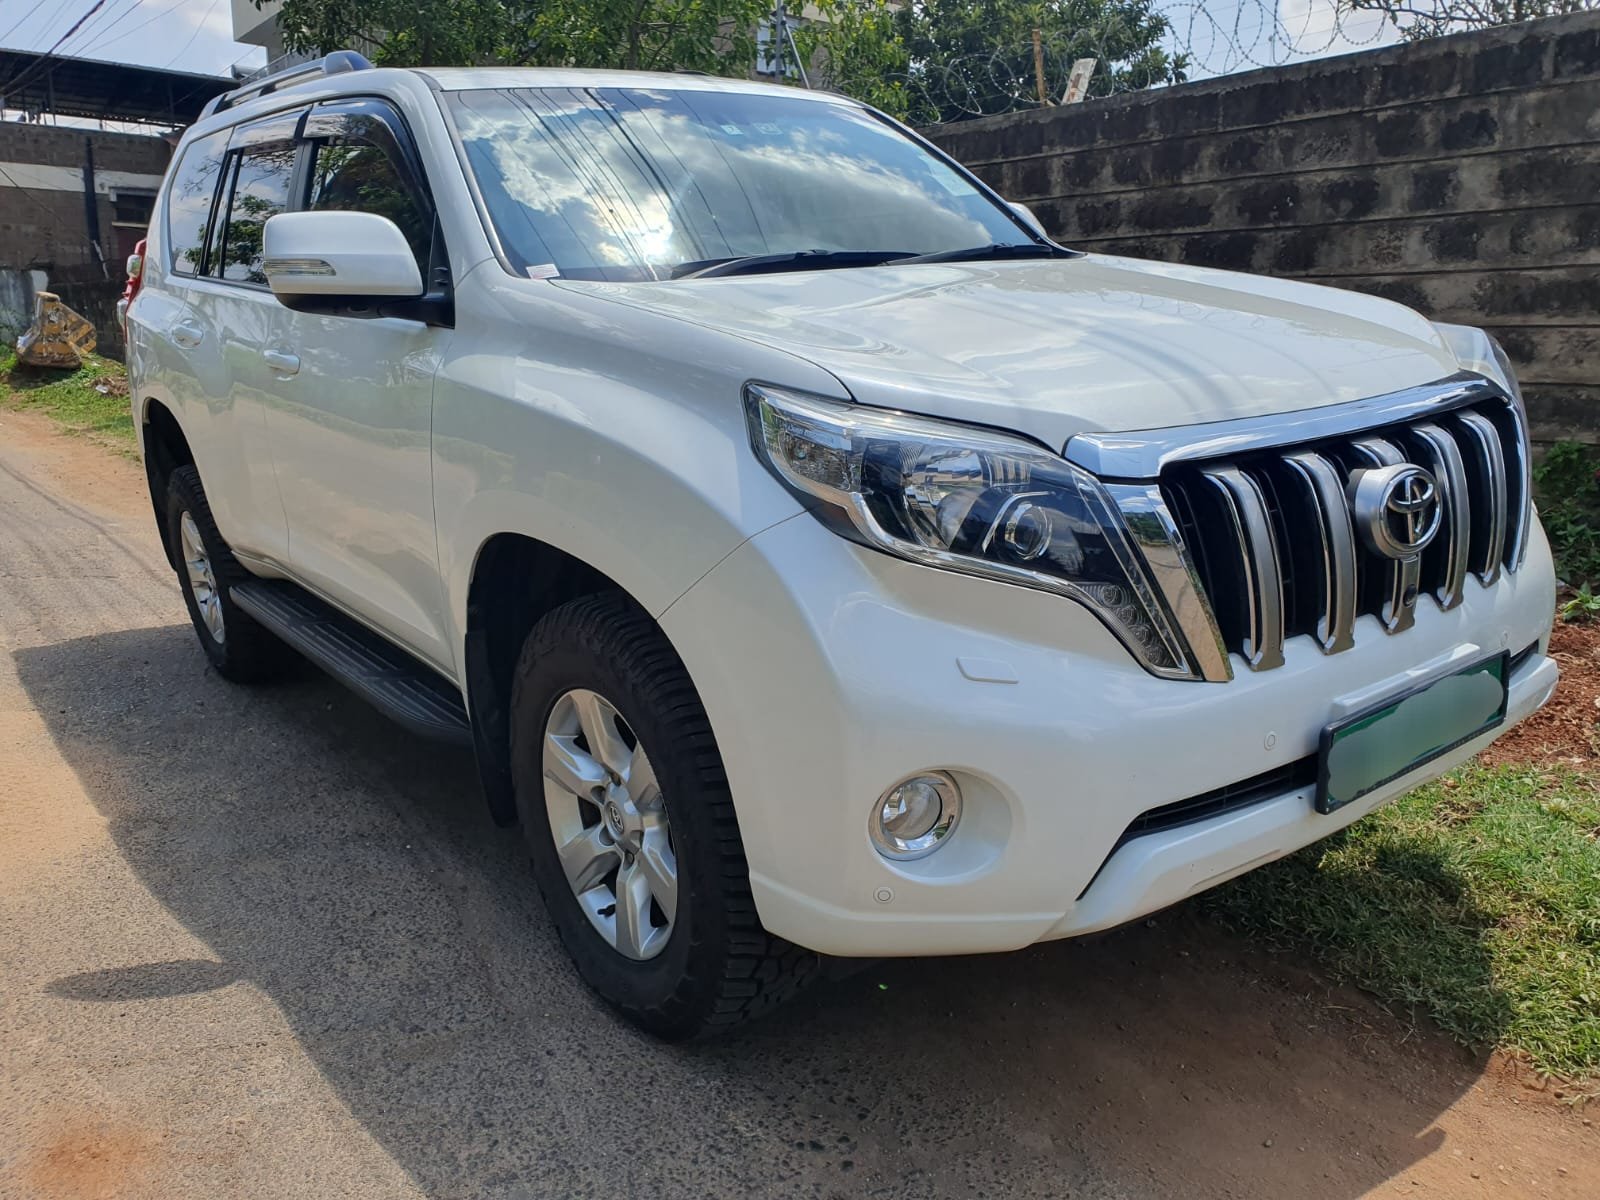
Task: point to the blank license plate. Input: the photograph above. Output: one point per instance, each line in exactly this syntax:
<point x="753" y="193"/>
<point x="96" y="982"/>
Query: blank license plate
<point x="1378" y="746"/>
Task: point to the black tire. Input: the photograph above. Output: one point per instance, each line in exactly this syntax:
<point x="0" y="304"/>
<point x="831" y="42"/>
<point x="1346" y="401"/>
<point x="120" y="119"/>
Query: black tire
<point x="246" y="652"/>
<point x="719" y="967"/>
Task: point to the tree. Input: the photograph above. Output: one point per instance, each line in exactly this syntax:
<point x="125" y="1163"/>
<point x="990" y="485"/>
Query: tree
<point x="717" y="36"/>
<point x="1418" y="19"/>
<point x="944" y="60"/>
<point x="923" y="60"/>
<point x="690" y="35"/>
<point x="399" y="33"/>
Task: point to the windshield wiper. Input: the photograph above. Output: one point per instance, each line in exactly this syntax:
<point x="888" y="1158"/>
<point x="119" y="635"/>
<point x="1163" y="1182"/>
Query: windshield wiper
<point x="794" y="260"/>
<point x="981" y="253"/>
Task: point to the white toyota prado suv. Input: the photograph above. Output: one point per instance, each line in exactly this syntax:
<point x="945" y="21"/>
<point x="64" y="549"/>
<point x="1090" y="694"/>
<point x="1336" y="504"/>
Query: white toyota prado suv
<point x="818" y="560"/>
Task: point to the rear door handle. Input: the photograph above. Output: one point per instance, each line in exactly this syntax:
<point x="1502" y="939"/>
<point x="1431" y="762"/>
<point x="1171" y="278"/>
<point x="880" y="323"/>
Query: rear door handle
<point x="282" y="361"/>
<point x="187" y="334"/>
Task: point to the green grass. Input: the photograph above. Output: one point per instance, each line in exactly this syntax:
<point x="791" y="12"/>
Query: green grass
<point x="70" y="396"/>
<point x="1567" y="484"/>
<point x="1475" y="899"/>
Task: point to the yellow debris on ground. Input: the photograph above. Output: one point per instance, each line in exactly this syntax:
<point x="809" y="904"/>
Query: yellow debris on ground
<point x="58" y="337"/>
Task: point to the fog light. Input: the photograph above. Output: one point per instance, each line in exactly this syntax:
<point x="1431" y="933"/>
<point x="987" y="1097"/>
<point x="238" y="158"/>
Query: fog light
<point x="913" y="817"/>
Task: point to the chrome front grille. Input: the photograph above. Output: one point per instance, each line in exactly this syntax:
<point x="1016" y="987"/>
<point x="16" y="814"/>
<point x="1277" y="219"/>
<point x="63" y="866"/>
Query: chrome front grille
<point x="1264" y="542"/>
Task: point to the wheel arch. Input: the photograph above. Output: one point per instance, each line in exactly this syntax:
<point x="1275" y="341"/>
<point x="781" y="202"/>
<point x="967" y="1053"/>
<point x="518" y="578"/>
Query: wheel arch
<point x="165" y="450"/>
<point x="516" y="579"/>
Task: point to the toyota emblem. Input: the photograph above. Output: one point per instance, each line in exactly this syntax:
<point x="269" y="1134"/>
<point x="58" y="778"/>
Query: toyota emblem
<point x="1398" y="509"/>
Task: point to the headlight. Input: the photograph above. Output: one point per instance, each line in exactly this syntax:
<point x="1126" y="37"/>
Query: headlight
<point x="1477" y="350"/>
<point x="963" y="499"/>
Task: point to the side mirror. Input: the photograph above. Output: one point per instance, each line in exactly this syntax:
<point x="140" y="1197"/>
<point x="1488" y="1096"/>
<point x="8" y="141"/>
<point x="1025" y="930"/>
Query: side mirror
<point x="332" y="256"/>
<point x="1021" y="209"/>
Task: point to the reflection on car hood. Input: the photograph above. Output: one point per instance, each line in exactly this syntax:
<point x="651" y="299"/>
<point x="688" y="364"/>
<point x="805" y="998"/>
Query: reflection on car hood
<point x="1055" y="348"/>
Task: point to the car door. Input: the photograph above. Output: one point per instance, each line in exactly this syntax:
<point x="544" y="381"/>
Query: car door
<point x="351" y="426"/>
<point x="204" y="324"/>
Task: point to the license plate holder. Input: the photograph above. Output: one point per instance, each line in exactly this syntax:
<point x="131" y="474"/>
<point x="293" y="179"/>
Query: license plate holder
<point x="1358" y="754"/>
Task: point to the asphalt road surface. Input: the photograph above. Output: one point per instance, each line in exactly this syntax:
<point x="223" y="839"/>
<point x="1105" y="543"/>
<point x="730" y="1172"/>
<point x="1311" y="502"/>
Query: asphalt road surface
<point x="259" y="942"/>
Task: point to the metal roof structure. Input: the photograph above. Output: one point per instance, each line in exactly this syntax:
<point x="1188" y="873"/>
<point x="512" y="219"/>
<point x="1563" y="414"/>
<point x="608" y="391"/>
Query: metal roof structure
<point x="86" y="87"/>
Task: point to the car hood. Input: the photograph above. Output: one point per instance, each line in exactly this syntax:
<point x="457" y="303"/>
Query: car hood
<point x="1065" y="346"/>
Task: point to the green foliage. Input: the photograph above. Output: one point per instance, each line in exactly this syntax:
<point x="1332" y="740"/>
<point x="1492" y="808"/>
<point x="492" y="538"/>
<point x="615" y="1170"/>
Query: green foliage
<point x="716" y="36"/>
<point x="859" y="48"/>
<point x="691" y="35"/>
<point x="970" y="56"/>
<point x="1475" y="899"/>
<point x="1582" y="608"/>
<point x="1567" y="485"/>
<point x="400" y="33"/>
<point x="925" y="61"/>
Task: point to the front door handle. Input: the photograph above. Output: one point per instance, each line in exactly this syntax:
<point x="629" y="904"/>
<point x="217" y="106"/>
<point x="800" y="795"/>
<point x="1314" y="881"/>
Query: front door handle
<point x="187" y="334"/>
<point x="282" y="361"/>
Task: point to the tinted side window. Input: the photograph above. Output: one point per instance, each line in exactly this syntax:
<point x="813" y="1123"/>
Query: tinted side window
<point x="260" y="190"/>
<point x="194" y="184"/>
<point x="359" y="177"/>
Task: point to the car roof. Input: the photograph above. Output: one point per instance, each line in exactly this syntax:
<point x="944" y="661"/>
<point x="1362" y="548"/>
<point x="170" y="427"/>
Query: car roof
<point x="312" y="89"/>
<point x="460" y="79"/>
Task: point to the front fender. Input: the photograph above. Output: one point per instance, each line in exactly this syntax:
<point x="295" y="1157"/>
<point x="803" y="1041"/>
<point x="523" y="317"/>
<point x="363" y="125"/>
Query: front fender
<point x="616" y="436"/>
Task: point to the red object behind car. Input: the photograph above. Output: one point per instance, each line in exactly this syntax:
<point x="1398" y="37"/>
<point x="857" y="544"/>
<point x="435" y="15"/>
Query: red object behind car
<point x="130" y="289"/>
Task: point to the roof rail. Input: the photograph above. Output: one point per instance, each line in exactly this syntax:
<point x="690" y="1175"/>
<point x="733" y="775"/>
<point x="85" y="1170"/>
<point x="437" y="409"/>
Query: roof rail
<point x="336" y="63"/>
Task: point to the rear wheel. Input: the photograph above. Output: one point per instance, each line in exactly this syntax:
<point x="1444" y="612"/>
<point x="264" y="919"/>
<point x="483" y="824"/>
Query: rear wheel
<point x="238" y="647"/>
<point x="631" y="827"/>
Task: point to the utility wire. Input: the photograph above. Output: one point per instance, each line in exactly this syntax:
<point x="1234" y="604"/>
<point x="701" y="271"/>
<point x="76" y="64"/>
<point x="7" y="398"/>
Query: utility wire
<point x="30" y="73"/>
<point x="183" y="48"/>
<point x="105" y="31"/>
<point x="101" y="33"/>
<point x="44" y="24"/>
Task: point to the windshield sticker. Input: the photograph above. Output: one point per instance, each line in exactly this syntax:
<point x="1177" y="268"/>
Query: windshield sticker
<point x="732" y="131"/>
<point x="950" y="181"/>
<point x="544" y="271"/>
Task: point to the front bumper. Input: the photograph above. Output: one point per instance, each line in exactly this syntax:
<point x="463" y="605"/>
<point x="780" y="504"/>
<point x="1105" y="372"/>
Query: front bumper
<point x="830" y="671"/>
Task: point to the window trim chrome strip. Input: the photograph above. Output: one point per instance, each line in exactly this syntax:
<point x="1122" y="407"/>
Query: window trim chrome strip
<point x="1143" y="454"/>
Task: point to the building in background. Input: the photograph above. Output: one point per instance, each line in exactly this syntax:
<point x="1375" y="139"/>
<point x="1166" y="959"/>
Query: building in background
<point x="259" y="26"/>
<point x="75" y="196"/>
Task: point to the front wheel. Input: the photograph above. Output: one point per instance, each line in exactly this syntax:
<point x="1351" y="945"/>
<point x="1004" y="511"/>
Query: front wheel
<point x="238" y="647"/>
<point x="631" y="827"/>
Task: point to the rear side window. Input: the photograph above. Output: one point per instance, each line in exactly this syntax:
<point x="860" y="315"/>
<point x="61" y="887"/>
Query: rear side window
<point x="352" y="176"/>
<point x="194" y="187"/>
<point x="260" y="189"/>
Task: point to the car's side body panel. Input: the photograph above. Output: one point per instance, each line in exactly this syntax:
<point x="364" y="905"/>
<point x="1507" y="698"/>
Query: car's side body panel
<point x="616" y="438"/>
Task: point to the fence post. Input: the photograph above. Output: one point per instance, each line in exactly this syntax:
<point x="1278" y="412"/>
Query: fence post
<point x="1038" y="68"/>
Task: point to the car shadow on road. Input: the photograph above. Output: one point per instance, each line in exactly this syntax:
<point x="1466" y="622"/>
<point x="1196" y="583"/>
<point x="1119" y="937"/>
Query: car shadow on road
<point x="351" y="873"/>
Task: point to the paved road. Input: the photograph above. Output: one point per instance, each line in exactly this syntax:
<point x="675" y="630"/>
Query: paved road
<point x="258" y="942"/>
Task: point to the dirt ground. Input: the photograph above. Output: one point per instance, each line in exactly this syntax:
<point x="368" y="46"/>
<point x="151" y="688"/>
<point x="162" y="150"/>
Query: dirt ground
<point x="1567" y="729"/>
<point x="253" y="943"/>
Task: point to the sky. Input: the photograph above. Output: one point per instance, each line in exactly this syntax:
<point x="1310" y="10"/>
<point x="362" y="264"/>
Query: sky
<point x="196" y="35"/>
<point x="184" y="35"/>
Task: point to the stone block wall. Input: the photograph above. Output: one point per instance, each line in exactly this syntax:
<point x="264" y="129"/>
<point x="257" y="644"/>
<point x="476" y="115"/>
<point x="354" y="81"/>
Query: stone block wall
<point x="1459" y="175"/>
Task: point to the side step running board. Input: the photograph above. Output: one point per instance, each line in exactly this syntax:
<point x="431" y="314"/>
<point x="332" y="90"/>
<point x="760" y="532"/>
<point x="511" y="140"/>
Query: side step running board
<point x="398" y="685"/>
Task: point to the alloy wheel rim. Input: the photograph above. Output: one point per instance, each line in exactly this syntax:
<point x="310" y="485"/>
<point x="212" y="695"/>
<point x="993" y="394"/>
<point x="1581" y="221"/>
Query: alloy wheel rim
<point x="202" y="579"/>
<point x="609" y="824"/>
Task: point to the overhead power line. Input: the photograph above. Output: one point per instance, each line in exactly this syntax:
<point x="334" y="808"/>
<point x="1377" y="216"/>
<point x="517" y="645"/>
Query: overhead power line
<point x="30" y="73"/>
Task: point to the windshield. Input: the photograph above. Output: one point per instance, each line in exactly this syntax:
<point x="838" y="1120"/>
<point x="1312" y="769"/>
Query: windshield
<point x="633" y="183"/>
